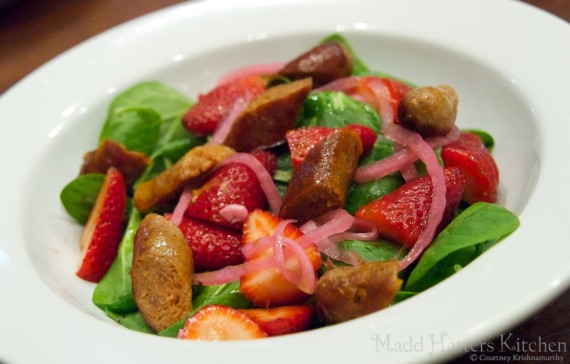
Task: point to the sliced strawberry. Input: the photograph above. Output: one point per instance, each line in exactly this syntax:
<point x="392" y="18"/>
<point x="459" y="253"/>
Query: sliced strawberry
<point x="302" y="140"/>
<point x="212" y="107"/>
<point x="268" y="287"/>
<point x="282" y="320"/>
<point x="400" y="216"/>
<point x="478" y="166"/>
<point x="367" y="136"/>
<point x="397" y="89"/>
<point x="213" y="247"/>
<point x="220" y="323"/>
<point x="102" y="234"/>
<point x="233" y="183"/>
<point x="262" y="223"/>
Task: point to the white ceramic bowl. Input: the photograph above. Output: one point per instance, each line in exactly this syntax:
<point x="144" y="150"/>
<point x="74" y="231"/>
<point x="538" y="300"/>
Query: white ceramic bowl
<point x="508" y="62"/>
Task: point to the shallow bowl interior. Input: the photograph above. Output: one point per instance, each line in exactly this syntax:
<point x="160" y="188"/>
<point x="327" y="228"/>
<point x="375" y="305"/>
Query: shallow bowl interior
<point x="488" y="100"/>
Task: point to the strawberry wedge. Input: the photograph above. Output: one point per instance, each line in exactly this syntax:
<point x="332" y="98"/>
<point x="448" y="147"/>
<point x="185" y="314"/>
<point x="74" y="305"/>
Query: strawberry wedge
<point x="302" y="140"/>
<point x="102" y="234"/>
<point x="291" y="280"/>
<point x="213" y="107"/>
<point x="478" y="166"/>
<point x="231" y="184"/>
<point x="220" y="323"/>
<point x="401" y="216"/>
<point x="282" y="320"/>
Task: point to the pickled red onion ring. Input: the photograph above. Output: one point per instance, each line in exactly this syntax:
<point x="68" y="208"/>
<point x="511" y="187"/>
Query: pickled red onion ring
<point x="409" y="172"/>
<point x="367" y="231"/>
<point x="304" y="279"/>
<point x="181" y="207"/>
<point x="382" y="97"/>
<point x="400" y="159"/>
<point x="336" y="221"/>
<point x="232" y="273"/>
<point x="234" y="213"/>
<point x="251" y="70"/>
<point x="221" y="276"/>
<point x="265" y="179"/>
<point x="417" y="145"/>
<point x="335" y="232"/>
<point x="226" y="124"/>
<point x="333" y="223"/>
<point x="276" y="240"/>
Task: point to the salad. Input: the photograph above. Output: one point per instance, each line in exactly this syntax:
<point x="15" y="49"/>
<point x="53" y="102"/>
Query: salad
<point x="288" y="197"/>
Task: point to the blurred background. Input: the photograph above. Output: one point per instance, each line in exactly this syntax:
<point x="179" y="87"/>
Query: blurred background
<point x="34" y="31"/>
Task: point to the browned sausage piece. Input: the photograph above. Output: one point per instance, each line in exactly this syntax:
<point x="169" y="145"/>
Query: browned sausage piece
<point x="323" y="63"/>
<point x="111" y="154"/>
<point x="162" y="272"/>
<point x="429" y="111"/>
<point x="191" y="169"/>
<point x="268" y="117"/>
<point x="320" y="183"/>
<point x="345" y="293"/>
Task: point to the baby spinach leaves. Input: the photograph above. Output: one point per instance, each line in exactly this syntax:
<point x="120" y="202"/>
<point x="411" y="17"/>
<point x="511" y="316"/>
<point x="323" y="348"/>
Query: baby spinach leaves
<point x="361" y="194"/>
<point x="335" y="110"/>
<point x="464" y="239"/>
<point x="78" y="196"/>
<point x="145" y="117"/>
<point x="114" y="292"/>
<point x="377" y="250"/>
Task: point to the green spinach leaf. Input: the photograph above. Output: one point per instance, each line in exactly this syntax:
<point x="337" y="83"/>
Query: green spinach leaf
<point x="132" y="320"/>
<point x="78" y="196"/>
<point x="361" y="194"/>
<point x="382" y="148"/>
<point x="114" y="292"/>
<point x="335" y="110"/>
<point x="138" y="129"/>
<point x="465" y="238"/>
<point x="152" y="103"/>
<point x="377" y="250"/>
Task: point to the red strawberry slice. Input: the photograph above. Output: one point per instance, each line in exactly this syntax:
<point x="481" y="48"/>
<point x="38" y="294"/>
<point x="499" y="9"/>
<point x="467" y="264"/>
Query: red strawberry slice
<point x="212" y="107"/>
<point x="282" y="320"/>
<point x="220" y="323"/>
<point x="401" y="216"/>
<point x="267" y="287"/>
<point x="262" y="223"/>
<point x="233" y="183"/>
<point x="302" y="140"/>
<point x="102" y="234"/>
<point x="367" y="137"/>
<point x="213" y="247"/>
<point x="397" y="89"/>
<point x="478" y="166"/>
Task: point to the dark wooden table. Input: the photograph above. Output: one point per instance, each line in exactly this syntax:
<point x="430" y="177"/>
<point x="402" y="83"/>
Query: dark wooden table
<point x="33" y="32"/>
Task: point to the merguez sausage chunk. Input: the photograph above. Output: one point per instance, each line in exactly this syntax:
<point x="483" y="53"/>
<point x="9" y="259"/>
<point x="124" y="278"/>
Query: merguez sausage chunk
<point x="320" y="183"/>
<point x="162" y="272"/>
